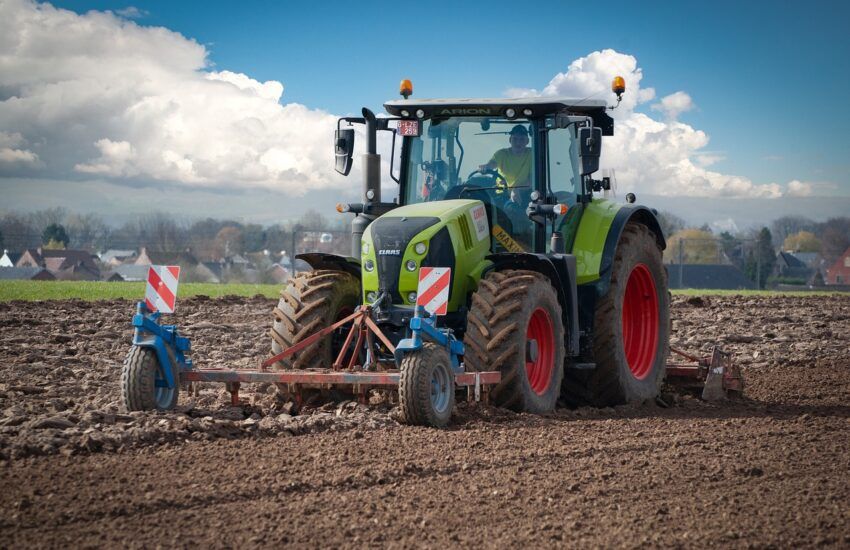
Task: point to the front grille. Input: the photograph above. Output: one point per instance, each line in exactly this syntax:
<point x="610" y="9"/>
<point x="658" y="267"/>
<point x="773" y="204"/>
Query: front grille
<point x="390" y="235"/>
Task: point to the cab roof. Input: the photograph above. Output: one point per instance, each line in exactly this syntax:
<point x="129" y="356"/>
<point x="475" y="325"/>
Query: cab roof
<point x="540" y="106"/>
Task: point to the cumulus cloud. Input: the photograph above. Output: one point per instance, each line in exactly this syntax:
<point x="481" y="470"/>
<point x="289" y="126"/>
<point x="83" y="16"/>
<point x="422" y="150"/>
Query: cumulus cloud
<point x="12" y="152"/>
<point x="674" y="105"/>
<point x="132" y="12"/>
<point x="99" y="94"/>
<point x="663" y="157"/>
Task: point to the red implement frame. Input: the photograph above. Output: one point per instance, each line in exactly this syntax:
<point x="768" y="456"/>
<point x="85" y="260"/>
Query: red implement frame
<point x="344" y="372"/>
<point x="716" y="373"/>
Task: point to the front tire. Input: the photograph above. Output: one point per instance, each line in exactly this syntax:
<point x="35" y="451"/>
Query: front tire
<point x="515" y="327"/>
<point x="426" y="389"/>
<point x="310" y="302"/>
<point x="139" y="375"/>
<point x="631" y="328"/>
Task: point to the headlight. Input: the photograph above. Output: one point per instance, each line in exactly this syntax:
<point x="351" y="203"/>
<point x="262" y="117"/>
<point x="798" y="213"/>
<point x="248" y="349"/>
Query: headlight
<point x="411" y="297"/>
<point x="371" y="296"/>
<point x="369" y="265"/>
<point x="420" y="113"/>
<point x="365" y="248"/>
<point x="510" y="113"/>
<point x="420" y="248"/>
<point x="410" y="265"/>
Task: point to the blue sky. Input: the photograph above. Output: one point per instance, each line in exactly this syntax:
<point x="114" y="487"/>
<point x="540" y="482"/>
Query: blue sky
<point x="769" y="78"/>
<point x="183" y="98"/>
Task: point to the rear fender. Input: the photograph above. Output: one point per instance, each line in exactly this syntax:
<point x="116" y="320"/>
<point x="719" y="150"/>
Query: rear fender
<point x="600" y="228"/>
<point x="321" y="260"/>
<point x="628" y="213"/>
<point x="560" y="269"/>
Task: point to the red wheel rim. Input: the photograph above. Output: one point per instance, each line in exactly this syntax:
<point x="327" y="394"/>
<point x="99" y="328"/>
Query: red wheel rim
<point x="640" y="321"/>
<point x="539" y="371"/>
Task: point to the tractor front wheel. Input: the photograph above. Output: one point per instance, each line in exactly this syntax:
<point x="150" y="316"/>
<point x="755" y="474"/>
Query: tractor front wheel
<point x="143" y="382"/>
<point x="630" y="328"/>
<point x="515" y="326"/>
<point x="426" y="389"/>
<point x="310" y="302"/>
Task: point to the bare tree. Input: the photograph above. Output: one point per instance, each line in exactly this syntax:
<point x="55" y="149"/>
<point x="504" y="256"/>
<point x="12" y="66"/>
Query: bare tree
<point x="87" y="231"/>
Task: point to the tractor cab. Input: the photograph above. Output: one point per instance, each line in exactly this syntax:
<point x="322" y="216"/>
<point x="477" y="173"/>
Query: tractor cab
<point x="519" y="157"/>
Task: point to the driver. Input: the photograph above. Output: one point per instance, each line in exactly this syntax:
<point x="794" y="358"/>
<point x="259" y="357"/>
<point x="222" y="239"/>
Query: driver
<point x="514" y="162"/>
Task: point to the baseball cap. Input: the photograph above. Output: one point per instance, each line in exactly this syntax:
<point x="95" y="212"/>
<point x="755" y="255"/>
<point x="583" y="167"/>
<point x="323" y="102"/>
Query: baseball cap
<point x="519" y="129"/>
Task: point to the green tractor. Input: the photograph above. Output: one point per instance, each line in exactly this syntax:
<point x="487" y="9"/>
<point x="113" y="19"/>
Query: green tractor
<point x="560" y="290"/>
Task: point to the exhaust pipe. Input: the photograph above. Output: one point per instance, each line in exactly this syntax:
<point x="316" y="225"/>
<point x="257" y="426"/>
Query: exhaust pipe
<point x="371" y="160"/>
<point x="371" y="181"/>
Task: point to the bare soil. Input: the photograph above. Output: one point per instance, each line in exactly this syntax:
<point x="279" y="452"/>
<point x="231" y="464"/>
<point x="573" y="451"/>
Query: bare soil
<point x="769" y="470"/>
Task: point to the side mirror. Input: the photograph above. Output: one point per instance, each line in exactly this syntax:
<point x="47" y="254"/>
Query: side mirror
<point x="590" y="147"/>
<point x="344" y="150"/>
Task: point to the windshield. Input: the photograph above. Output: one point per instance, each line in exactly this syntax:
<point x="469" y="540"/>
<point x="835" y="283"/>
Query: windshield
<point x="480" y="158"/>
<point x="484" y="152"/>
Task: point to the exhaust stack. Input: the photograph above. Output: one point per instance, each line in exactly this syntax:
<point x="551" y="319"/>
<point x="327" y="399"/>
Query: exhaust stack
<point x="371" y="181"/>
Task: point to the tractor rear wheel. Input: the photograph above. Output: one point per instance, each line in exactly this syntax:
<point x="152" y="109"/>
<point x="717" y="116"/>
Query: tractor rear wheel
<point x="310" y="302"/>
<point x="515" y="326"/>
<point x="630" y="328"/>
<point x="426" y="389"/>
<point x="139" y="377"/>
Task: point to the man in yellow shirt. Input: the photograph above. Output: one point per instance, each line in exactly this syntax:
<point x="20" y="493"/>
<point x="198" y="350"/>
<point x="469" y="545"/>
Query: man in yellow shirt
<point x="514" y="162"/>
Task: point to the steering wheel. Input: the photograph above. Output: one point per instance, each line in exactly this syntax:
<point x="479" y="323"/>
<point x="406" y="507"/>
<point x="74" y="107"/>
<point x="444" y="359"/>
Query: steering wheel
<point x="491" y="174"/>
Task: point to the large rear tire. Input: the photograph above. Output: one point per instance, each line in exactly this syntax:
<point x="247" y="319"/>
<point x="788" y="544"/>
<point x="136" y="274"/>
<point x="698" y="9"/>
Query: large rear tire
<point x="630" y="328"/>
<point x="310" y="302"/>
<point x="515" y="326"/>
<point x="426" y="389"/>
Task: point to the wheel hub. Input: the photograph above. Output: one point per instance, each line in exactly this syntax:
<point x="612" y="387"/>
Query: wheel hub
<point x="540" y="351"/>
<point x="640" y="321"/>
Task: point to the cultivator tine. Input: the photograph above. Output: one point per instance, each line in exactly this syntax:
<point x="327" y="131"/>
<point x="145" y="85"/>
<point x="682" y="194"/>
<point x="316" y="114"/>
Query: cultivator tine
<point x="720" y="375"/>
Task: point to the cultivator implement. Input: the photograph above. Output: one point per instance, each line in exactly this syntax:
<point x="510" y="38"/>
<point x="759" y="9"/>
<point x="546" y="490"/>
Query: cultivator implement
<point x="716" y="374"/>
<point x="380" y="368"/>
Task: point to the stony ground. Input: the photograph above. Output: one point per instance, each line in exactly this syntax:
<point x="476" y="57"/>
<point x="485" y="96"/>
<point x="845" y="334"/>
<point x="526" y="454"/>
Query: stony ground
<point x="771" y="470"/>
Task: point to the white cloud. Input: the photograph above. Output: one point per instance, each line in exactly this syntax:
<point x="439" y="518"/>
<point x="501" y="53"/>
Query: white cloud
<point x="12" y="153"/>
<point x="98" y="94"/>
<point x="797" y="188"/>
<point x="658" y="157"/>
<point x="132" y="12"/>
<point x="674" y="104"/>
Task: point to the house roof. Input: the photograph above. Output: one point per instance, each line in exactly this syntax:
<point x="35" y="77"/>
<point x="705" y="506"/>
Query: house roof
<point x="12" y="273"/>
<point x="130" y="272"/>
<point x="114" y="253"/>
<point x="150" y="257"/>
<point x="13" y="256"/>
<point x="790" y="260"/>
<point x="712" y="276"/>
<point x="808" y="258"/>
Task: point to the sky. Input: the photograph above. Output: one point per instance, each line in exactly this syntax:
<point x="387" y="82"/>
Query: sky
<point x="734" y="111"/>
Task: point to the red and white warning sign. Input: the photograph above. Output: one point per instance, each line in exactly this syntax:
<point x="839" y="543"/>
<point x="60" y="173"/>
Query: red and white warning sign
<point x="433" y="291"/>
<point x="161" y="292"/>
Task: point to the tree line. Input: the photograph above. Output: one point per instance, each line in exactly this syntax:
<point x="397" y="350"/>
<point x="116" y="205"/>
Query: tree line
<point x="755" y="250"/>
<point x="204" y="238"/>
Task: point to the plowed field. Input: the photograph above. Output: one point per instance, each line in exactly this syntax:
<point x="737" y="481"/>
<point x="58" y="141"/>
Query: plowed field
<point x="769" y="470"/>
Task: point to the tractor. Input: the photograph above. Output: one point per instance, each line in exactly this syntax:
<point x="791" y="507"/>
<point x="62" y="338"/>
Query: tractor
<point x="552" y="285"/>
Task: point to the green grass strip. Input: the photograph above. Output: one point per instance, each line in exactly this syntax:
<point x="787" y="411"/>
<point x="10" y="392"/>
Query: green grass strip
<point x="99" y="290"/>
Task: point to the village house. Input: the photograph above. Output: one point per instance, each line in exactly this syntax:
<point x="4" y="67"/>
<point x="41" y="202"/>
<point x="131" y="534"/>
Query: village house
<point x="77" y="265"/>
<point x="9" y="259"/>
<point x="839" y="272"/>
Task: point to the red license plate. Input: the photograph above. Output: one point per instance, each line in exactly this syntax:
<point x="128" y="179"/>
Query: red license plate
<point x="408" y="127"/>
